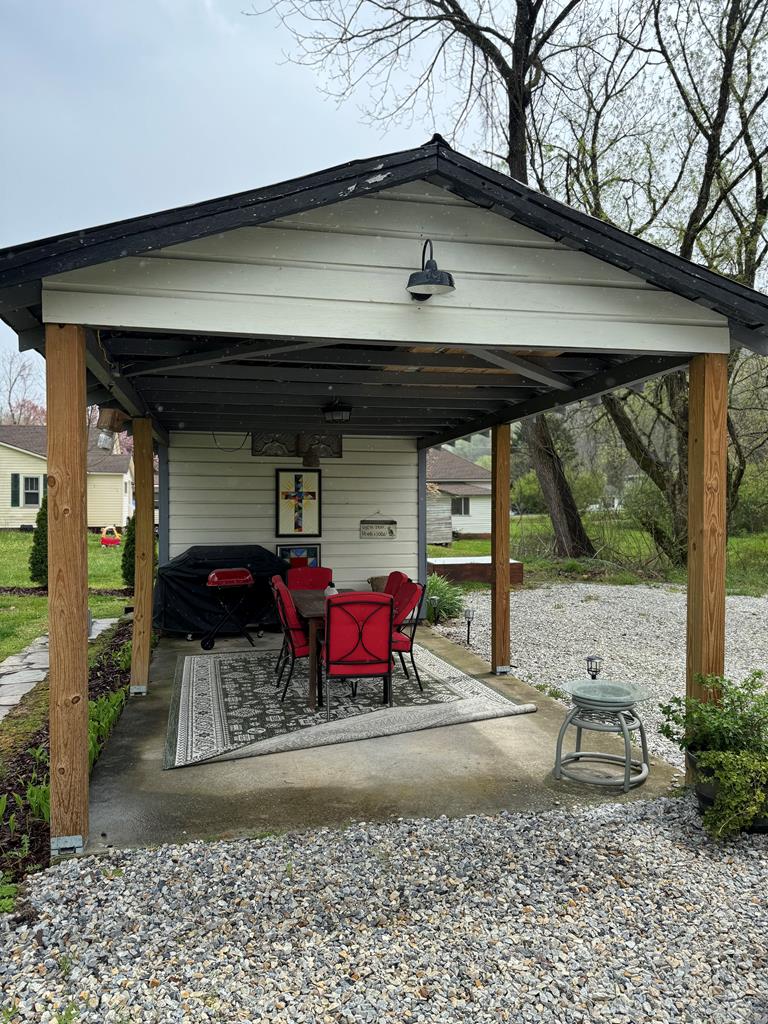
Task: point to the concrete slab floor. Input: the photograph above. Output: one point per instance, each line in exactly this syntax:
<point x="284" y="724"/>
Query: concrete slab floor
<point x="474" y="768"/>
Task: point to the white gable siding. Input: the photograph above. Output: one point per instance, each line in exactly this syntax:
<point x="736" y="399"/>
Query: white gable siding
<point x="340" y="272"/>
<point x="228" y="497"/>
<point x="105" y="499"/>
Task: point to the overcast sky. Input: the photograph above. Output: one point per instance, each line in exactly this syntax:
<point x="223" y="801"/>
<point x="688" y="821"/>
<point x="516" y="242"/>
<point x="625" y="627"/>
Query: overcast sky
<point x="113" y="108"/>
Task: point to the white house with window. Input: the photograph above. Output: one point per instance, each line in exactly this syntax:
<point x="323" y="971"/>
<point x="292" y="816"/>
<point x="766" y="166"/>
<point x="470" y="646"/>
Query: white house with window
<point x="461" y="489"/>
<point x="23" y="479"/>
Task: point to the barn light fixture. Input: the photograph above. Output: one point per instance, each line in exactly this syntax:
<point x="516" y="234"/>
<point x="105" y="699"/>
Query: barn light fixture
<point x="337" y="412"/>
<point x="429" y="281"/>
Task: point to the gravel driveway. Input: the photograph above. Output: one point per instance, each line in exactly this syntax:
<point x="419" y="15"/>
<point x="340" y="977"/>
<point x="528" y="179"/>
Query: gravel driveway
<point x="621" y="913"/>
<point x="638" y="630"/>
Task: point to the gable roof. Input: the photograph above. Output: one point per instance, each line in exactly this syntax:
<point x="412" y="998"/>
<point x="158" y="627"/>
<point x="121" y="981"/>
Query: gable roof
<point x="22" y="267"/>
<point x="34" y="439"/>
<point x="444" y="467"/>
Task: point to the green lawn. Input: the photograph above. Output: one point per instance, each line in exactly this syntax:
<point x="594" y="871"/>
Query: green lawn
<point x="625" y="554"/>
<point x="24" y="618"/>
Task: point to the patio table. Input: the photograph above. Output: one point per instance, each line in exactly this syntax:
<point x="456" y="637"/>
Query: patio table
<point x="310" y="604"/>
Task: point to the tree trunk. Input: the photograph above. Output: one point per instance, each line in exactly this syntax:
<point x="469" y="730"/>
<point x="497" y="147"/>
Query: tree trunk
<point x="571" y="540"/>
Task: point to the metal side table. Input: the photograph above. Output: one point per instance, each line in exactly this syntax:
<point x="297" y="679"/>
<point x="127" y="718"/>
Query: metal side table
<point x="604" y="705"/>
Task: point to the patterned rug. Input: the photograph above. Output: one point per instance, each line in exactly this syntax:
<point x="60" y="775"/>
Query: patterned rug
<point x="227" y="706"/>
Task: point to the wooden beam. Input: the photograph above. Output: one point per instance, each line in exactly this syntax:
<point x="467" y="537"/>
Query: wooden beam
<point x="334" y="377"/>
<point x="500" y="441"/>
<point x="621" y="375"/>
<point x="225" y="354"/>
<point x="144" y="558"/>
<point x="707" y="488"/>
<point x="527" y="369"/>
<point x="67" y="587"/>
<point x="120" y="389"/>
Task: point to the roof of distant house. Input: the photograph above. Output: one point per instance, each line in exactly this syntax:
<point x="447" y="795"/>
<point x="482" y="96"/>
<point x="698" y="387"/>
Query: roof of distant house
<point x="455" y="475"/>
<point x="34" y="439"/>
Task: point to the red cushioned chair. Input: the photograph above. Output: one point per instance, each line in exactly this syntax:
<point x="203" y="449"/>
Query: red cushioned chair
<point x="358" y="641"/>
<point x="395" y="580"/>
<point x="407" y="612"/>
<point x="306" y="578"/>
<point x="295" y="638"/>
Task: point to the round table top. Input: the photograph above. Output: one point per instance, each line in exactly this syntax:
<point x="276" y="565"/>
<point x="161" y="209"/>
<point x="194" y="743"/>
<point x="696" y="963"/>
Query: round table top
<point x="606" y="691"/>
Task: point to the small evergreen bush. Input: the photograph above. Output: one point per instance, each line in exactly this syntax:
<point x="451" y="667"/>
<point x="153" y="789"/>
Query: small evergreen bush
<point x="127" y="564"/>
<point x="38" y="555"/>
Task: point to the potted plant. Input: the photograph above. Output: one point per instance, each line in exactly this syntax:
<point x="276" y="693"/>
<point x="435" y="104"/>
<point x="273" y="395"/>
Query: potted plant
<point x="725" y="739"/>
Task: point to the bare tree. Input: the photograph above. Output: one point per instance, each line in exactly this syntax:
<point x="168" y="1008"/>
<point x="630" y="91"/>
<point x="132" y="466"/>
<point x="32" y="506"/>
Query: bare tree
<point x="492" y="56"/>
<point x="19" y="390"/>
<point x="663" y="130"/>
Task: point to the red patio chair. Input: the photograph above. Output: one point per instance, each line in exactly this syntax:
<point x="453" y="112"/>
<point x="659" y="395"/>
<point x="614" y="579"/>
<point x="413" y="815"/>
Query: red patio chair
<point x="407" y="612"/>
<point x="358" y="641"/>
<point x="395" y="580"/>
<point x="295" y="637"/>
<point x="306" y="578"/>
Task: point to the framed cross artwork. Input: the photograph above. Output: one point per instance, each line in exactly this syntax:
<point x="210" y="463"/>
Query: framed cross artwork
<point x="297" y="503"/>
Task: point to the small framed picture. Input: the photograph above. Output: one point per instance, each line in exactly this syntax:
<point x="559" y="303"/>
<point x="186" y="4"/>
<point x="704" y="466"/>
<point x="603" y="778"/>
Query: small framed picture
<point x="309" y="551"/>
<point x="297" y="503"/>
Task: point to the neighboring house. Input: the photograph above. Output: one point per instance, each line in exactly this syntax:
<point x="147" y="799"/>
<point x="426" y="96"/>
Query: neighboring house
<point x="23" y="479"/>
<point x="461" y="489"/>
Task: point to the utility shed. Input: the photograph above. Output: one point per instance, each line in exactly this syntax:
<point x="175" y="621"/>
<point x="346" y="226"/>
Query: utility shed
<point x="285" y="311"/>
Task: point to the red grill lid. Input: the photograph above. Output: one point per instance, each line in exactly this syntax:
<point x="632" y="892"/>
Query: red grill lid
<point x="230" y="578"/>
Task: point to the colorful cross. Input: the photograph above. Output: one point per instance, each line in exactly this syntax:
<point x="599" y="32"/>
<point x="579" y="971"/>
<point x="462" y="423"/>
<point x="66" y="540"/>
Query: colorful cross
<point x="298" y="496"/>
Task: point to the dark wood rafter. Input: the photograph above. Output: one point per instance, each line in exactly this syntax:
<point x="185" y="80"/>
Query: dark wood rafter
<point x="632" y="371"/>
<point x="526" y="369"/>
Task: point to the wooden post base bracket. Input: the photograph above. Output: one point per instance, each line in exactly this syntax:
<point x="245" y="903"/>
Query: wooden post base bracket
<point x="66" y="846"/>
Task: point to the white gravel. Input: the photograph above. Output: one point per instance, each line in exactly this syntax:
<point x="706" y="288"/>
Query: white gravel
<point x="638" y="630"/>
<point x="621" y="913"/>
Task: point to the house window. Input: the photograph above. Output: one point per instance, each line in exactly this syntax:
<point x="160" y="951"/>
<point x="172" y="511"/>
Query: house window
<point x="460" y="506"/>
<point x="31" y="491"/>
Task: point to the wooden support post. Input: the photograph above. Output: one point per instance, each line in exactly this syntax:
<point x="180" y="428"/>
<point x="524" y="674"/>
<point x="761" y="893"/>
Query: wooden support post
<point x="500" y="549"/>
<point x="707" y="487"/>
<point x="144" y="558"/>
<point x="67" y="586"/>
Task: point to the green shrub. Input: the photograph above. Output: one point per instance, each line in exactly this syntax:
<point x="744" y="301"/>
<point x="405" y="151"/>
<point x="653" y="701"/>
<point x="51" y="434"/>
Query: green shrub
<point x="127" y="564"/>
<point x="588" y="489"/>
<point x="751" y="512"/>
<point x="38" y="555"/>
<point x="526" y="495"/>
<point x="734" y="717"/>
<point x="450" y="598"/>
<point x="740" y="794"/>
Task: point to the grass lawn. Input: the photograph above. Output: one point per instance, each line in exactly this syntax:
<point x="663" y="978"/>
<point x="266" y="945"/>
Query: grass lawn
<point x="624" y="555"/>
<point x="24" y="618"/>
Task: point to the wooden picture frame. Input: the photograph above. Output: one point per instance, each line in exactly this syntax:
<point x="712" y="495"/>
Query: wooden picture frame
<point x="298" y="502"/>
<point x="309" y="551"/>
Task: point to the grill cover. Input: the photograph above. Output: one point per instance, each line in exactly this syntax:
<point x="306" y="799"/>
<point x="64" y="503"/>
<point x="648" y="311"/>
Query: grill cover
<point x="185" y="604"/>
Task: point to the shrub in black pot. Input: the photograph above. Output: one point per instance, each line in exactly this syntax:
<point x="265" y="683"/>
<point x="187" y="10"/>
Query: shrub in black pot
<point x="725" y="739"/>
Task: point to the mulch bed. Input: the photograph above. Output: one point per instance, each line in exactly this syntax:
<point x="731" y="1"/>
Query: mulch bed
<point x="105" y="677"/>
<point x="43" y="591"/>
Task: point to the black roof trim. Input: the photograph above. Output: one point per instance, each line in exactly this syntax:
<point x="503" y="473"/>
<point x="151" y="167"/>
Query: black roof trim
<point x="746" y="308"/>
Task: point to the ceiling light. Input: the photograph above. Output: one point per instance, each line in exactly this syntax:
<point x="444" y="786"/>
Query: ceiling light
<point x="429" y="281"/>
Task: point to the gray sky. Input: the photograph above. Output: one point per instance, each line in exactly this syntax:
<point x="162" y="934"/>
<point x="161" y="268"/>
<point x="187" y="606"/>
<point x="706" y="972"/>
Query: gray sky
<point x="112" y="109"/>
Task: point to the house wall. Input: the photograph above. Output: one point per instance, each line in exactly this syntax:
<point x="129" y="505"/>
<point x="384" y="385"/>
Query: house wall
<point x="228" y="497"/>
<point x="439" y="530"/>
<point x="479" y="518"/>
<point x="105" y="492"/>
<point x="25" y="464"/>
<point x="106" y="499"/>
<point x="340" y="272"/>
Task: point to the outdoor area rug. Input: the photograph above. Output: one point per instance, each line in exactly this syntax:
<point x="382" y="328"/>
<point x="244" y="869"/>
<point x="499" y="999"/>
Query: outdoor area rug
<point x="227" y="706"/>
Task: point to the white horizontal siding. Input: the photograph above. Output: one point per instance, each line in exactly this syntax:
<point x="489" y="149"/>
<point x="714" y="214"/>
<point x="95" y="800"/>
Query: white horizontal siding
<point x="227" y="497"/>
<point x="439" y="519"/>
<point x="340" y="272"/>
<point x="479" y="518"/>
<point x="106" y="499"/>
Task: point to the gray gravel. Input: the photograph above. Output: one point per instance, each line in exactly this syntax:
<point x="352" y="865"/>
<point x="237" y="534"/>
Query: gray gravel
<point x="621" y="913"/>
<point x="638" y="630"/>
